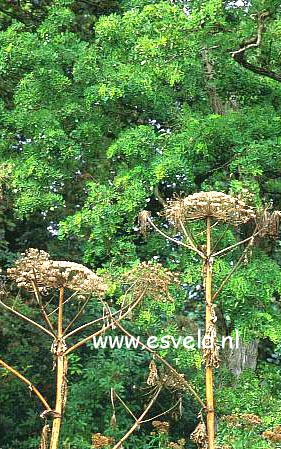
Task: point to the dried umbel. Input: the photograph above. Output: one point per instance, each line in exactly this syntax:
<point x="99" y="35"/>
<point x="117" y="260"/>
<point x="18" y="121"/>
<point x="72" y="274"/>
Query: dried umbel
<point x="215" y="205"/>
<point x="199" y="436"/>
<point x="242" y="419"/>
<point x="151" y="278"/>
<point x="172" y="381"/>
<point x="100" y="441"/>
<point x="161" y="426"/>
<point x="269" y="223"/>
<point x="180" y="444"/>
<point x="36" y="268"/>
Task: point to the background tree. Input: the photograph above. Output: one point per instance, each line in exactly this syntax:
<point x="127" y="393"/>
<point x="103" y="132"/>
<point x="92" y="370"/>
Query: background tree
<point x="104" y="111"/>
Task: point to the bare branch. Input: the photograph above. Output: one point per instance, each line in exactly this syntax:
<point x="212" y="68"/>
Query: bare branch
<point x="164" y="362"/>
<point x="42" y="308"/>
<point x="80" y="311"/>
<point x="174" y="240"/>
<point x="236" y="266"/>
<point x="31" y="387"/>
<point x="25" y="318"/>
<point x="231" y="247"/>
<point x="138" y="421"/>
<point x="126" y="406"/>
<point x="105" y="328"/>
<point x="163" y="413"/>
<point x="90" y="323"/>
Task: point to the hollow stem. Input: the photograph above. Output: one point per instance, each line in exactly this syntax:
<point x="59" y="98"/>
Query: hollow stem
<point x="61" y="365"/>
<point x="209" y="370"/>
<point x="31" y="387"/>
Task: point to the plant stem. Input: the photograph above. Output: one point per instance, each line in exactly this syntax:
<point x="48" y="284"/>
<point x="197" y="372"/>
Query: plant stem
<point x="61" y="373"/>
<point x="27" y="382"/>
<point x="209" y="369"/>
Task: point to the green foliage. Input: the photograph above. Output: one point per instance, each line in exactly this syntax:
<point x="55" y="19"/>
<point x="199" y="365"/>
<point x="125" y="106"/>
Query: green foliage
<point x="111" y="107"/>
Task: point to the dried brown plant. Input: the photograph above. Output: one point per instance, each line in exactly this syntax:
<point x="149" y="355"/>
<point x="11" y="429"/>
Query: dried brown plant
<point x="269" y="223"/>
<point x="100" y="441"/>
<point x="199" y="436"/>
<point x="215" y="205"/>
<point x="35" y="267"/>
<point x="161" y="426"/>
<point x="273" y="435"/>
<point x="152" y="277"/>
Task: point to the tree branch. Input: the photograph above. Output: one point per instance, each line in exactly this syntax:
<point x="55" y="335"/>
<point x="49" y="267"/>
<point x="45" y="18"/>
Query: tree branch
<point x="255" y="42"/>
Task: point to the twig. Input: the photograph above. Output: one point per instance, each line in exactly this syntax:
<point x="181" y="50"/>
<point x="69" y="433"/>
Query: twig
<point x="164" y="362"/>
<point x="231" y="247"/>
<point x="236" y="266"/>
<point x="174" y="240"/>
<point x="80" y="311"/>
<point x="42" y="308"/>
<point x="97" y="320"/>
<point x="126" y="407"/>
<point x="161" y="414"/>
<point x="105" y="328"/>
<point x="138" y="421"/>
<point x="31" y="387"/>
<point x="65" y="302"/>
<point x="25" y="318"/>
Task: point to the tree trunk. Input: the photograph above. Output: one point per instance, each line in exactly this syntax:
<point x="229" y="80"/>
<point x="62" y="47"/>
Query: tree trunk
<point x="242" y="358"/>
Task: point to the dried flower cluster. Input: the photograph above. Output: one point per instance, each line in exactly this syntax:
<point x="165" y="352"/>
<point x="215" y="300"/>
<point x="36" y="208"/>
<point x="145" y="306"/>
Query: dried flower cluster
<point x="100" y="441"/>
<point x="143" y="220"/>
<point x="161" y="426"/>
<point x="180" y="444"/>
<point x="242" y="419"/>
<point x="153" y="374"/>
<point x="172" y="381"/>
<point x="269" y="223"/>
<point x="216" y="205"/>
<point x="199" y="436"/>
<point x="36" y="267"/>
<point x="151" y="278"/>
<point x="273" y="435"/>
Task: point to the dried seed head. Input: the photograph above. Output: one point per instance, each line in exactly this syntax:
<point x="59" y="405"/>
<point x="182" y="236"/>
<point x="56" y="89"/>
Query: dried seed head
<point x="268" y="223"/>
<point x="143" y="217"/>
<point x="242" y="419"/>
<point x="36" y="267"/>
<point x="215" y="205"/>
<point x="180" y="444"/>
<point x="273" y="435"/>
<point x="153" y="279"/>
<point x="199" y="436"/>
<point x="161" y="426"/>
<point x="153" y="374"/>
<point x="100" y="441"/>
<point x="173" y="381"/>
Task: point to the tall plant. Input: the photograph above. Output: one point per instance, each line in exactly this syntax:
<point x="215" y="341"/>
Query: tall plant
<point x="37" y="273"/>
<point x="213" y="208"/>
